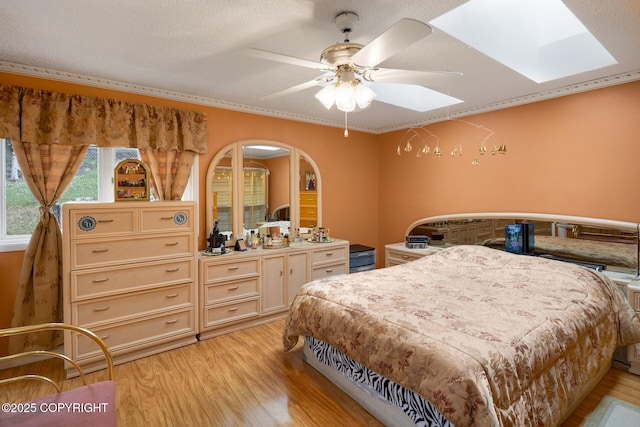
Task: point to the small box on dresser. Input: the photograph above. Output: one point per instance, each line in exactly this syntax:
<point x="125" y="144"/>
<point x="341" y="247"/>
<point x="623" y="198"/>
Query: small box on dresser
<point x="129" y="275"/>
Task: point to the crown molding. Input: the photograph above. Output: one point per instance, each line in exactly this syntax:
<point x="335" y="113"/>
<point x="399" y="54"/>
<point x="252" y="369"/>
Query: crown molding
<point x="67" y="77"/>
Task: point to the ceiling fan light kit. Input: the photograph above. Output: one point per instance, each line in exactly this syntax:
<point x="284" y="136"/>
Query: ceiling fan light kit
<point x="354" y="78"/>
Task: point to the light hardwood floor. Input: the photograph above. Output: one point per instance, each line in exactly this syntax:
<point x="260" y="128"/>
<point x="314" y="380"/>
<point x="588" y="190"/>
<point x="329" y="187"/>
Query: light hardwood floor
<point x="245" y="379"/>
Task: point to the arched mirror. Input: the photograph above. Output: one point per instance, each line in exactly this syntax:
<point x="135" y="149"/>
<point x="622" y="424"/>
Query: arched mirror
<point x="257" y="183"/>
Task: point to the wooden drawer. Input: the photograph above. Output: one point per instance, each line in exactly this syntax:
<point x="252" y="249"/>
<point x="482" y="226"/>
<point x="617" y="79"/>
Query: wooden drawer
<point x="218" y="314"/>
<point x="166" y="219"/>
<point x="483" y="230"/>
<point x="398" y="257"/>
<point x="85" y="254"/>
<point x="132" y="305"/>
<point x="336" y="253"/>
<point x="116" y="280"/>
<point x="230" y="270"/>
<point x="89" y="223"/>
<point x="308" y="197"/>
<point x="328" y="270"/>
<point x="231" y="290"/>
<point x="308" y="212"/>
<point x="137" y="333"/>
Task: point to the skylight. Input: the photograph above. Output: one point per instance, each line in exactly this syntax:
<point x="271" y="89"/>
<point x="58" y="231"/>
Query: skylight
<point x="542" y="40"/>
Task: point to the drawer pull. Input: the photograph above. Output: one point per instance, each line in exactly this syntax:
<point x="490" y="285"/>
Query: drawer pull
<point x="104" y="279"/>
<point x="329" y="270"/>
<point x="105" y="220"/>
<point x="97" y="251"/>
<point x="172" y="322"/>
<point x="235" y="267"/>
<point x="234" y="288"/>
<point x="329" y="254"/>
<point x="105" y="308"/>
<point x="233" y="309"/>
<point x="171" y="244"/>
<point x="172" y="270"/>
<point x="173" y="295"/>
<point x="166" y="217"/>
<point x="405" y="256"/>
<point x="105" y="337"/>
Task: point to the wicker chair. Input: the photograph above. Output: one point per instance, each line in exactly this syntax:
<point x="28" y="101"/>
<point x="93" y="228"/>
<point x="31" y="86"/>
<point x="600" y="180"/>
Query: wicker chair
<point x="91" y="405"/>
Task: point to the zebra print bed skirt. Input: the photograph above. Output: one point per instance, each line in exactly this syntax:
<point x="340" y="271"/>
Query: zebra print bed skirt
<point x="419" y="410"/>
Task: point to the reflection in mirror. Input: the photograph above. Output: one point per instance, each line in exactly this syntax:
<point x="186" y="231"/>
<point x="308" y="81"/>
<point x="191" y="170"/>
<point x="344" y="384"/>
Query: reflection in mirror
<point x="266" y="195"/>
<point x="222" y="190"/>
<point x="250" y="188"/>
<point x="598" y="243"/>
<point x="308" y="194"/>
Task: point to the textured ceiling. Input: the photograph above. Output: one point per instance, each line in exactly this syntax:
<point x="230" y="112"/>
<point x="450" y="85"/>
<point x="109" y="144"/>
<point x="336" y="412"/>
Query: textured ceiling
<point x="192" y="50"/>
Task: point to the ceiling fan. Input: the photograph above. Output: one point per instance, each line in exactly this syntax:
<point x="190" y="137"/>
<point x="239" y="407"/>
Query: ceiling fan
<point x="352" y="78"/>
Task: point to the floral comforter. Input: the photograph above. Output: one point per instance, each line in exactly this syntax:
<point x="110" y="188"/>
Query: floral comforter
<point x="490" y="338"/>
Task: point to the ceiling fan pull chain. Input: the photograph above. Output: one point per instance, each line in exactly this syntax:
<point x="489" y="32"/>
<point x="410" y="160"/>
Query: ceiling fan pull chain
<point x="346" y="124"/>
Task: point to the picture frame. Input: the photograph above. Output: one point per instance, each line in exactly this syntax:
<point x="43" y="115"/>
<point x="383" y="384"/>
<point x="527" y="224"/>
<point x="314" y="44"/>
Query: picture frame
<point x="309" y="180"/>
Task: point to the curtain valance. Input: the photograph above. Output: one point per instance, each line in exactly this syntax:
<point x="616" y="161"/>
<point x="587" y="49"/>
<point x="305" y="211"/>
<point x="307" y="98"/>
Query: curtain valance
<point x="45" y="117"/>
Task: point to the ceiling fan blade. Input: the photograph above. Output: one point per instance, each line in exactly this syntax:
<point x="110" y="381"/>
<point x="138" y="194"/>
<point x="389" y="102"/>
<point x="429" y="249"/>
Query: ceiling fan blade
<point x="411" y="96"/>
<point x="401" y="35"/>
<point x="293" y="89"/>
<point x="278" y="57"/>
<point x="423" y="78"/>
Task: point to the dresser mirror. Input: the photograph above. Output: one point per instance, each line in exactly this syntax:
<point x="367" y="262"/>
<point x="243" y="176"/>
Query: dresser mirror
<point x="598" y="243"/>
<point x="254" y="184"/>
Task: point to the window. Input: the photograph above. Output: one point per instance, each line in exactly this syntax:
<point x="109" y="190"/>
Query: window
<point x="255" y="196"/>
<point x="93" y="181"/>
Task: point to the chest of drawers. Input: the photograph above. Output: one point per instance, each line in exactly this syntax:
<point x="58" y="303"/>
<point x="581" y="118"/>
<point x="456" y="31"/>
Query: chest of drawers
<point x="129" y="275"/>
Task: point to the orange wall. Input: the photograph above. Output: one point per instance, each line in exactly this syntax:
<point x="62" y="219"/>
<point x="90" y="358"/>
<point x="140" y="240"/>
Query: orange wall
<point x="334" y="155"/>
<point x="574" y="155"/>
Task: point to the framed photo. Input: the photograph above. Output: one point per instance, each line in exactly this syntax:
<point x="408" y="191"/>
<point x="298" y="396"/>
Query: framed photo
<point x="309" y="180"/>
<point x="241" y="245"/>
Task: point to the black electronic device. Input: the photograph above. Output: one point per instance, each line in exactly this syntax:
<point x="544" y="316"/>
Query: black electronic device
<point x="519" y="238"/>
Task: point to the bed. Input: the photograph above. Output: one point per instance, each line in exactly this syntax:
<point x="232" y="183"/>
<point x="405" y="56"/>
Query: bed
<point x="470" y="336"/>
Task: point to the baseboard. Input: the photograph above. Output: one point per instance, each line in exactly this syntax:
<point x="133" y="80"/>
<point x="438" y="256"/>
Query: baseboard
<point x="13" y="363"/>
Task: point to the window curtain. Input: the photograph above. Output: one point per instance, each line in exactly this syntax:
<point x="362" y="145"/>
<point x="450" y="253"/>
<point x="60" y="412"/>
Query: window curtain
<point x="48" y="170"/>
<point x="51" y="131"/>
<point x="170" y="170"/>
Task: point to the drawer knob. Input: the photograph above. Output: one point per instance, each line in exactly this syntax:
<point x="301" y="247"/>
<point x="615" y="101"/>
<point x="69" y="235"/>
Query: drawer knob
<point x="105" y="308"/>
<point x="173" y="295"/>
<point x="171" y="322"/>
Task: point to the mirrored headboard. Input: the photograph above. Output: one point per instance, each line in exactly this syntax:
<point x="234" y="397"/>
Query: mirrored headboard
<point x="611" y="244"/>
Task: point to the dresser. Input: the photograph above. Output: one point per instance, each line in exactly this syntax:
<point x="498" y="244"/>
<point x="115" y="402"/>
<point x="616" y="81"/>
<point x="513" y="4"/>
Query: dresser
<point x="129" y="275"/>
<point x="308" y="208"/>
<point x="246" y="288"/>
